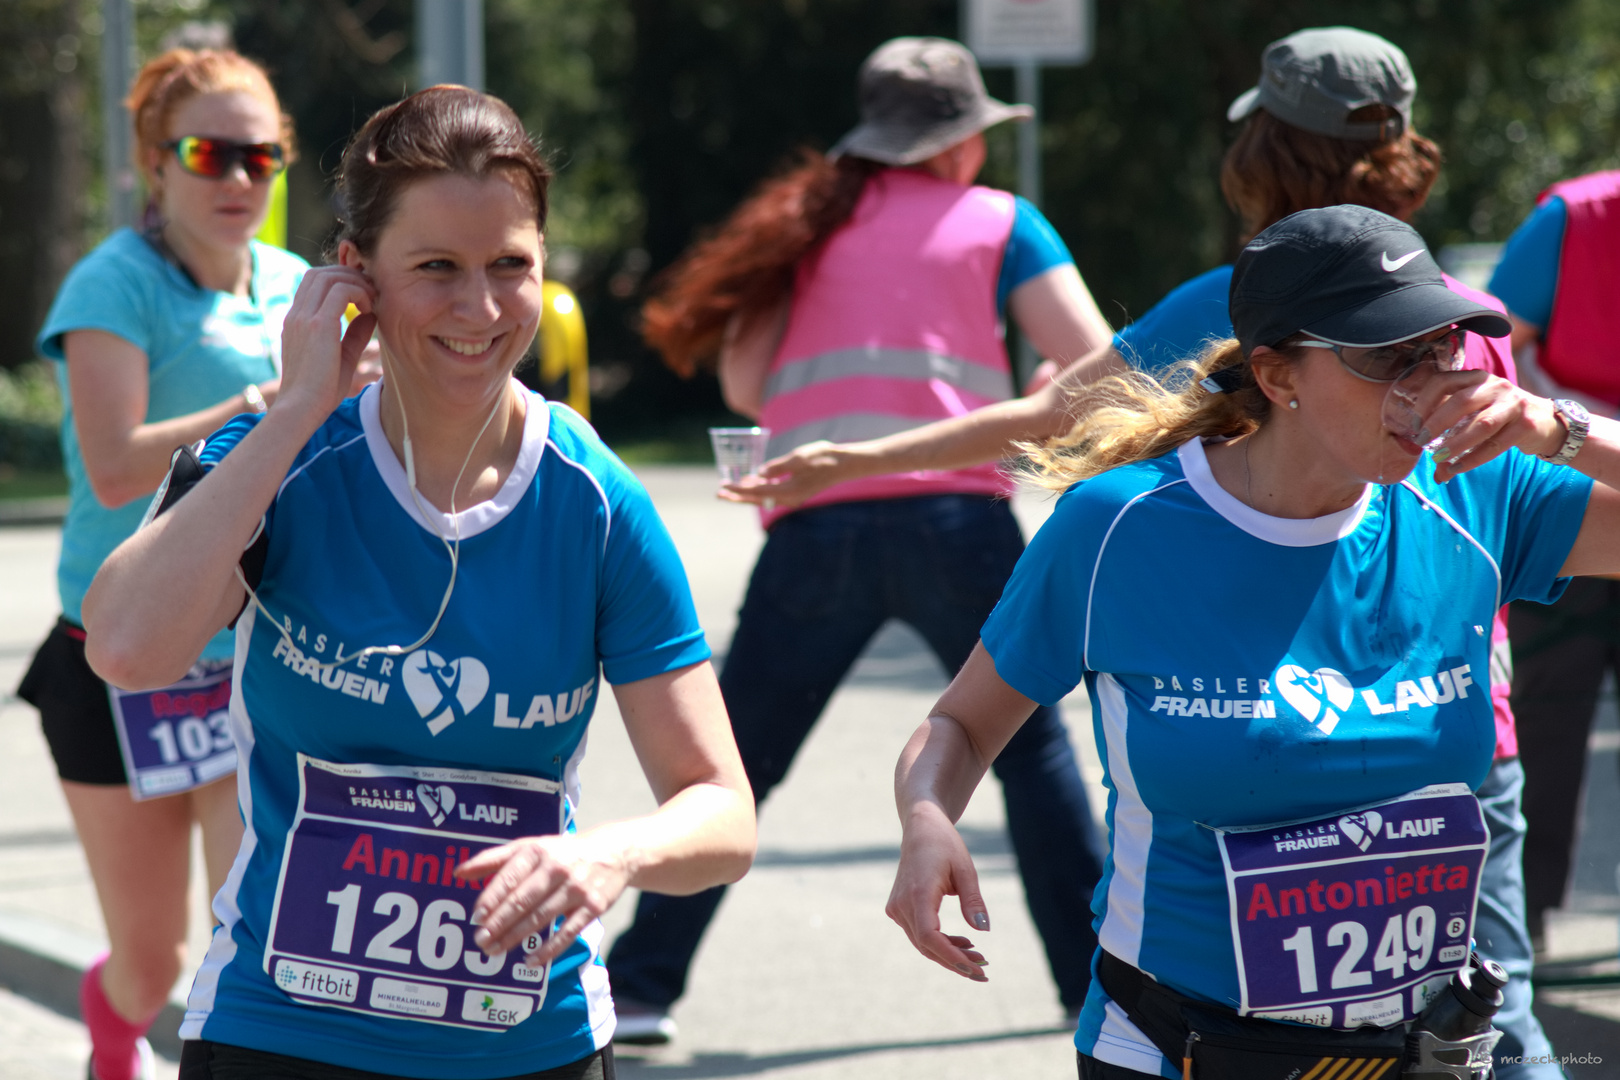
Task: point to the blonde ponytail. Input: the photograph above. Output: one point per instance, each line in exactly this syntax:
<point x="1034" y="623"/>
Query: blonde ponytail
<point x="1134" y="417"/>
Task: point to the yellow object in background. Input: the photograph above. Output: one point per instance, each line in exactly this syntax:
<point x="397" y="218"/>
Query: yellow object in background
<point x="274" y="229"/>
<point x="562" y="345"/>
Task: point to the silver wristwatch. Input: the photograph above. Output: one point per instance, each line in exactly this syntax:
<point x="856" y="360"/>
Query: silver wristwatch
<point x="1577" y="422"/>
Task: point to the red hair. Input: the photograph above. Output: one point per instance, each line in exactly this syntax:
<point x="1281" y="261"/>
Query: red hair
<point x="166" y="82"/>
<point x="746" y="265"/>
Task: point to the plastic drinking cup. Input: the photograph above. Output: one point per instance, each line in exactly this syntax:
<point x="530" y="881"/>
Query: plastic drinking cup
<point x="738" y="451"/>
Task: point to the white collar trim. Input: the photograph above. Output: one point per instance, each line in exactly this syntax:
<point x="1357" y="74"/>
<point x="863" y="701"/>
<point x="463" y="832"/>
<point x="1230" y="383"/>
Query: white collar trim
<point x="1284" y="532"/>
<point x="480" y="516"/>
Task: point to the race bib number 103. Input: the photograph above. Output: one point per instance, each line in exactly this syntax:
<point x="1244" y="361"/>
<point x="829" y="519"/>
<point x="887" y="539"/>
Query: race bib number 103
<point x="369" y="915"/>
<point x="176" y="739"/>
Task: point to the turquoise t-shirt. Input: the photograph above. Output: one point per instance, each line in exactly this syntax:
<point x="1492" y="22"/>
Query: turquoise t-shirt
<point x="201" y="347"/>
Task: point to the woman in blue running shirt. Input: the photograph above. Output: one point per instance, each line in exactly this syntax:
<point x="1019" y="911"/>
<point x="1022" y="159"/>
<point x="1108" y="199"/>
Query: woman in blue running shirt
<point x="1276" y="581"/>
<point x="429" y="582"/>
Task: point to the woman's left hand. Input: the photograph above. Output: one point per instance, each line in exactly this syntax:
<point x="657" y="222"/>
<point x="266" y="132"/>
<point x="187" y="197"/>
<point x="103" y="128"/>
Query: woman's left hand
<point x="536" y="880"/>
<point x="1483" y="417"/>
<point x="934" y="864"/>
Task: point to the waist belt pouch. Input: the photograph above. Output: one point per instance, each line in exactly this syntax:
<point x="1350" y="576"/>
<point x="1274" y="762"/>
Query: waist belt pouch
<point x="1226" y="1046"/>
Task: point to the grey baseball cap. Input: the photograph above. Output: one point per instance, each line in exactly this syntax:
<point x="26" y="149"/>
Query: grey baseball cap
<point x="919" y="96"/>
<point x="1316" y="78"/>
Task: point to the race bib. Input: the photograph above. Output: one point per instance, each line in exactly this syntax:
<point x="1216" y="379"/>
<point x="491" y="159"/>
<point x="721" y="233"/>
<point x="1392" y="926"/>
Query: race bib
<point x="176" y="739"/>
<point x="369" y="915"/>
<point x="1356" y="918"/>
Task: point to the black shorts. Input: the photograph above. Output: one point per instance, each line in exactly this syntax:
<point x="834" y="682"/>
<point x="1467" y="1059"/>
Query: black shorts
<point x="74" y="709"/>
<point x="204" y="1060"/>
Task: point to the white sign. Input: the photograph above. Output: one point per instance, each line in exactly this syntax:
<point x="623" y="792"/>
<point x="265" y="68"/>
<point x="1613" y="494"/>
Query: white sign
<point x="1048" y="31"/>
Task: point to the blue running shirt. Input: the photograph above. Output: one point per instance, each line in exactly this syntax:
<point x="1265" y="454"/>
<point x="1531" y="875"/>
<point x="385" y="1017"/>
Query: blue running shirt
<point x="201" y="347"/>
<point x="1526" y="277"/>
<point x="565" y="573"/>
<point x="1177" y="604"/>
<point x="1189" y="317"/>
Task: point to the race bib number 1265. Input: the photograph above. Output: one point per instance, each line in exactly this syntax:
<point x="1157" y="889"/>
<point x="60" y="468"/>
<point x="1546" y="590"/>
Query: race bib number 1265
<point x="369" y="915"/>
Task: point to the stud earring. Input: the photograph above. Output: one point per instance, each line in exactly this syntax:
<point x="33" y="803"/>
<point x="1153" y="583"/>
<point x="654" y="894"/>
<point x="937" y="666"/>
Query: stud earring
<point x="1293" y="403"/>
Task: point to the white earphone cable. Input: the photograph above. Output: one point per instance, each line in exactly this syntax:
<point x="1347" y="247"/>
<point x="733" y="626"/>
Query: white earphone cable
<point x="429" y="516"/>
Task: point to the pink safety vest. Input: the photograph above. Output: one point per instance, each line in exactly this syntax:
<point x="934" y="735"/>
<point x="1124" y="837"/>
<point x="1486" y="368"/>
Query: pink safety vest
<point x="1578" y="348"/>
<point x="1494" y="355"/>
<point x="894" y="325"/>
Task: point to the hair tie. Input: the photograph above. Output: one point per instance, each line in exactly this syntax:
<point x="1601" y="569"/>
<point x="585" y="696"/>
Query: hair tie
<point x="1228" y="380"/>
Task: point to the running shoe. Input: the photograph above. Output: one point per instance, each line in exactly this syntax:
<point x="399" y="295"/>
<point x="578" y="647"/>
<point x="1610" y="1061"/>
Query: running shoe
<point x="641" y="1024"/>
<point x="145" y="1063"/>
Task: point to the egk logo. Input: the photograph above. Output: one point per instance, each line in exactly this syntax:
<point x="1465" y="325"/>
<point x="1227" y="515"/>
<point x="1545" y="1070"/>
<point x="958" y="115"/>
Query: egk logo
<point x="1309" y="691"/>
<point x="444" y="692"/>
<point x="1361" y="828"/>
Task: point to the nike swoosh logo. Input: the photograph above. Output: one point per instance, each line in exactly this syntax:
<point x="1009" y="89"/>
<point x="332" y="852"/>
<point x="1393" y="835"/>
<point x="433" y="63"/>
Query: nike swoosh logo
<point x="1392" y="265"/>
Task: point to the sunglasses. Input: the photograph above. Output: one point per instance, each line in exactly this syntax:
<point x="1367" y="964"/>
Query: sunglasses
<point x="1391" y="363"/>
<point x="215" y="158"/>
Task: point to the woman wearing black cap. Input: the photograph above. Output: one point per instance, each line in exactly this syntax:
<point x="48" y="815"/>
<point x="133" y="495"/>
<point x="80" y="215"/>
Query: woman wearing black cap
<point x="1280" y="603"/>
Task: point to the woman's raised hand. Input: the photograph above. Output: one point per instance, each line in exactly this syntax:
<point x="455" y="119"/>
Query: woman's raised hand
<point x="319" y="359"/>
<point x="1482" y="417"/>
<point x="934" y="864"/>
<point x="535" y="881"/>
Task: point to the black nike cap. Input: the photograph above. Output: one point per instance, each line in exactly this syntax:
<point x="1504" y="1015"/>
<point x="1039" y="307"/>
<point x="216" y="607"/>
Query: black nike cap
<point x="1349" y="275"/>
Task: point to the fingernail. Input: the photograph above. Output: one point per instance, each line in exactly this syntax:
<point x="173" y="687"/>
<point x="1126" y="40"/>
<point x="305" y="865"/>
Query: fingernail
<point x="483" y="939"/>
<point x="982" y="963"/>
<point x="964" y="969"/>
<point x="981" y="921"/>
<point x="1442" y="453"/>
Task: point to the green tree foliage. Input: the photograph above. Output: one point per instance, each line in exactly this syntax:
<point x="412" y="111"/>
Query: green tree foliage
<point x="42" y="168"/>
<point x="1517" y="93"/>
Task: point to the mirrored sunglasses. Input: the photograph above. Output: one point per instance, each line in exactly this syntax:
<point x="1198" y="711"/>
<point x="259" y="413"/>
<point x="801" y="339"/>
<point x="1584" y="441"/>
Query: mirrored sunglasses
<point x="214" y="158"/>
<point x="1390" y="363"/>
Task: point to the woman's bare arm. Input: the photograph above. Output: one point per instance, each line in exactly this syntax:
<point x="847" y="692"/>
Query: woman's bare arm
<point x="701" y="835"/>
<point x="937" y="773"/>
<point x="984" y="435"/>
<point x="125" y="456"/>
<point x="746" y="351"/>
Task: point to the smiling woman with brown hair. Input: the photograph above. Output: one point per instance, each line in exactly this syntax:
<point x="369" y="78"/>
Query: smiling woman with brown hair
<point x="412" y="896"/>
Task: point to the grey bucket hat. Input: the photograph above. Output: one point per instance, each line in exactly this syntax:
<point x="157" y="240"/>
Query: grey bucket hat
<point x="1316" y="78"/>
<point x="919" y="96"/>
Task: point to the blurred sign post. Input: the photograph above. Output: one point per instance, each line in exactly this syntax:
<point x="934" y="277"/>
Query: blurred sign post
<point x="450" y="42"/>
<point x="1026" y="34"/>
<point x="117" y="71"/>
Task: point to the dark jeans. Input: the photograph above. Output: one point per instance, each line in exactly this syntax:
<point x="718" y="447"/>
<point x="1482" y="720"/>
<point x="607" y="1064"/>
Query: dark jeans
<point x="827" y="580"/>
<point x="1560" y="655"/>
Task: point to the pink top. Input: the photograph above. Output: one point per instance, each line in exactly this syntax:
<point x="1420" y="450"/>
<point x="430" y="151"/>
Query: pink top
<point x="893" y="326"/>
<point x="1494" y="355"/>
<point x="1578" y="349"/>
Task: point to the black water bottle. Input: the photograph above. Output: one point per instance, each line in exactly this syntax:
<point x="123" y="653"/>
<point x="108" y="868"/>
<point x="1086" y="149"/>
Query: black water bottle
<point x="1453" y="1038"/>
